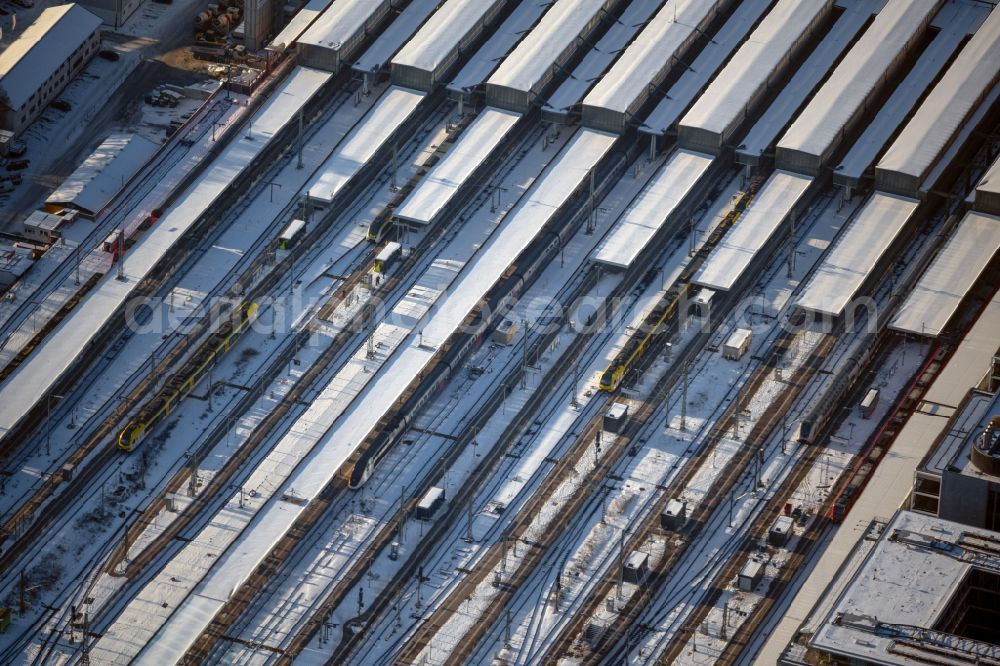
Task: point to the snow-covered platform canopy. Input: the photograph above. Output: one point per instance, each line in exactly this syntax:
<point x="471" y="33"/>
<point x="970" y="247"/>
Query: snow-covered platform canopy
<point x="855" y="254"/>
<point x="396" y="34"/>
<point x="304" y="18"/>
<point x="651" y="209"/>
<point x="525" y="73"/>
<point x="948" y="279"/>
<point x="975" y="71"/>
<point x="58" y="351"/>
<point x="761" y="138"/>
<point x="101" y="176"/>
<point x="571" y="91"/>
<point x="808" y="144"/>
<point x="735" y="253"/>
<point x="481" y="64"/>
<point x="377" y="127"/>
<point x="437" y="45"/>
<point x="645" y="63"/>
<point x="704" y="67"/>
<point x="336" y="34"/>
<point x="956" y="20"/>
<point x="432" y="194"/>
<point x="742" y="83"/>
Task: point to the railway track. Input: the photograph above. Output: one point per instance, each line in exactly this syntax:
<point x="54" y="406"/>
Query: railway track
<point x="240" y="601"/>
<point x="97" y="451"/>
<point x="554" y="479"/>
<point x="332" y="598"/>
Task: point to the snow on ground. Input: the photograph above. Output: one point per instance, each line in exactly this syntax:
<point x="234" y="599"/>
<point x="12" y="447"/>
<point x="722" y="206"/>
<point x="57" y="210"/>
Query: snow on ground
<point x="270" y="476"/>
<point x="713" y="637"/>
<point x="713" y="383"/>
<point x="524" y="475"/>
<point x="249" y="222"/>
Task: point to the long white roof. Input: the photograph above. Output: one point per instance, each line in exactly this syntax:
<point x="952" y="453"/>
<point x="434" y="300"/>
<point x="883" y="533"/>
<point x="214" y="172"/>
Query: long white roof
<point x="946" y="107"/>
<point x="705" y="66"/>
<point x="101" y="176"/>
<point x="806" y="77"/>
<point x="47" y="43"/>
<point x="339" y="23"/>
<point x="753" y="64"/>
<point x="56" y="353"/>
<point x="889" y="117"/>
<point x="298" y="25"/>
<point x="948" y="279"/>
<point x="885" y="589"/>
<point x="361" y="144"/>
<point x="855" y="252"/>
<point x="479" y="65"/>
<point x="734" y="254"/>
<point x="442" y="33"/>
<point x="821" y="122"/>
<point x="529" y="63"/>
<point x="651" y="51"/>
<point x="439" y="186"/>
<point x="571" y="91"/>
<point x="387" y="44"/>
<point x="650" y="209"/>
<point x="322" y="440"/>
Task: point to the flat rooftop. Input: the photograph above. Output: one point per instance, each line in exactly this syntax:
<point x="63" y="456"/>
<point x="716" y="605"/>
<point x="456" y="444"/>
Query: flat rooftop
<point x="903" y="605"/>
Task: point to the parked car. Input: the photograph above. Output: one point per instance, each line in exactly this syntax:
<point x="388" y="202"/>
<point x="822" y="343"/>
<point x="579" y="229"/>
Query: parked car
<point x="16" y="148"/>
<point x="60" y="104"/>
<point x="18" y="165"/>
<point x="108" y="54"/>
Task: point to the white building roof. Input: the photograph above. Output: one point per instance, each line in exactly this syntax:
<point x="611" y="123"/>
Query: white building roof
<point x="821" y="123"/>
<point x="434" y="192"/>
<point x="41" y="49"/>
<point x="651" y="51"/>
<point x="740" y="337"/>
<point x="59" y="349"/>
<point x="589" y="70"/>
<point x="432" y="495"/>
<point x="946" y="107"/>
<point x="909" y="578"/>
<point x="485" y="60"/>
<point x="726" y="99"/>
<point x="903" y="99"/>
<point x="705" y="66"/>
<point x="948" y="279"/>
<point x="651" y="208"/>
<point x="734" y="254"/>
<point x="855" y="253"/>
<point x="442" y="33"/>
<point x="298" y="25"/>
<point x="530" y="61"/>
<point x="339" y="23"/>
<point x="393" y="37"/>
<point x="102" y="175"/>
<point x="806" y="77"/>
<point x="391" y="111"/>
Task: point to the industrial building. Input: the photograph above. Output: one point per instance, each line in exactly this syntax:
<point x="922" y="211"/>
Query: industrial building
<point x="114" y="13"/>
<point x="959" y="479"/>
<point x="875" y="612"/>
<point x="36" y="67"/>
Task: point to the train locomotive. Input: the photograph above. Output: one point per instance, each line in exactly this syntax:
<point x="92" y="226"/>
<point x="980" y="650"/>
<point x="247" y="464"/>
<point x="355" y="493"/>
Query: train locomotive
<point x="179" y="385"/>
